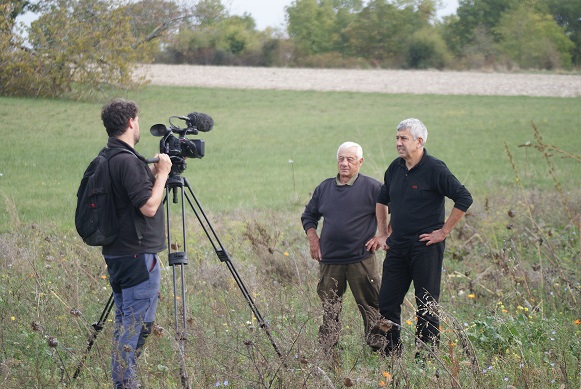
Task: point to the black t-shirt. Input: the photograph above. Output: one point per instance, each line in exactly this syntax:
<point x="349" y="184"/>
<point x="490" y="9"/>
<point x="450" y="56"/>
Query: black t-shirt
<point x="416" y="197"/>
<point x="132" y="182"/>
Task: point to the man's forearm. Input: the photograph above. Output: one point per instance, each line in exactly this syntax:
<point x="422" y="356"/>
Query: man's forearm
<point x="312" y="233"/>
<point x="381" y="213"/>
<point x="157" y="195"/>
<point x="455" y="216"/>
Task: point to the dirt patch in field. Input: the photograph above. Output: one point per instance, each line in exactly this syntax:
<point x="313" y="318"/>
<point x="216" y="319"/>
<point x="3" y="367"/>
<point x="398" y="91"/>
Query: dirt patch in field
<point x="379" y="81"/>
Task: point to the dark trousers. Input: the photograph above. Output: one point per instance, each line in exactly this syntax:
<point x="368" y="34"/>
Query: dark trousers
<point x="363" y="279"/>
<point x="421" y="265"/>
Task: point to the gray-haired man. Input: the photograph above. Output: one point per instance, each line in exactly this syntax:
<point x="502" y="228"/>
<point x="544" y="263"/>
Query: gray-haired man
<point x="414" y="192"/>
<point x="345" y="250"/>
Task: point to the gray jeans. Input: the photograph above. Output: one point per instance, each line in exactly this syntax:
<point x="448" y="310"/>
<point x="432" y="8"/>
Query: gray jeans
<point x="134" y="315"/>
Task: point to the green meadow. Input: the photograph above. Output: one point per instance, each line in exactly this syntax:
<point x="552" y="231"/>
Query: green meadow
<point x="510" y="304"/>
<point x="268" y="149"/>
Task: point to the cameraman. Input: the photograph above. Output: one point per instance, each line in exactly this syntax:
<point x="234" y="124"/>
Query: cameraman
<point x="132" y="260"/>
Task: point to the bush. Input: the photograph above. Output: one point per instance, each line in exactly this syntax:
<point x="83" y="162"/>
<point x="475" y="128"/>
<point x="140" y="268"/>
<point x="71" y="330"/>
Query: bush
<point x="427" y="50"/>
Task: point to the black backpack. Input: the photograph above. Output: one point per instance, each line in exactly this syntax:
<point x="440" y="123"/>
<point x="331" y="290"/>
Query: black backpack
<point x="96" y="217"/>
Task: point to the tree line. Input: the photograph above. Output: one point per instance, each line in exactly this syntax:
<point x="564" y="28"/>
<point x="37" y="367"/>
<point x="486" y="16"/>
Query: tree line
<point x="81" y="47"/>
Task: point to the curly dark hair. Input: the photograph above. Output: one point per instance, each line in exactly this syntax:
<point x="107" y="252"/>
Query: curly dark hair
<point x="116" y="115"/>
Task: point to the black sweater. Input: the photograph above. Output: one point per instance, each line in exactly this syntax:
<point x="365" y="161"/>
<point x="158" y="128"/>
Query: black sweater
<point x="349" y="218"/>
<point x="416" y="197"/>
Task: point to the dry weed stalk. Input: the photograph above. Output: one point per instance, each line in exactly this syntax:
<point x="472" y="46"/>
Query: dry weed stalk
<point x="543" y="245"/>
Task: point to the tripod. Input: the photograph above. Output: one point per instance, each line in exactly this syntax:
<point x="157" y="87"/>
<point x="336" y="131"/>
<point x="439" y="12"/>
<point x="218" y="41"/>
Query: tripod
<point x="181" y="192"/>
<point x="176" y="258"/>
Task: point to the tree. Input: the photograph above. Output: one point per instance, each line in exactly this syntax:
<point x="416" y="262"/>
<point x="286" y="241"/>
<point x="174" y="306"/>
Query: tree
<point x="11" y="57"/>
<point x="345" y="13"/>
<point x="152" y="19"/>
<point x="89" y="44"/>
<point x="311" y="26"/>
<point x="567" y="14"/>
<point x="222" y="41"/>
<point x="16" y="8"/>
<point x="533" y="39"/>
<point x="381" y="32"/>
<point x="479" y="15"/>
<point x="426" y="49"/>
<point x="16" y="65"/>
<point x="426" y="9"/>
<point x="208" y="12"/>
<point x="78" y="47"/>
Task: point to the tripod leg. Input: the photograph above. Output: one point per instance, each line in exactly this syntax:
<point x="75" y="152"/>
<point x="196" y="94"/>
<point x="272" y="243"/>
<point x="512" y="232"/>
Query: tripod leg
<point x="181" y="257"/>
<point x="224" y="257"/>
<point x="97" y="327"/>
<point x="178" y="259"/>
<point x="181" y="335"/>
<point x="263" y="324"/>
<point x="143" y="335"/>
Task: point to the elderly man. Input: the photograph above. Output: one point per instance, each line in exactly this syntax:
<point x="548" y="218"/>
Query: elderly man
<point x="347" y="244"/>
<point x="414" y="191"/>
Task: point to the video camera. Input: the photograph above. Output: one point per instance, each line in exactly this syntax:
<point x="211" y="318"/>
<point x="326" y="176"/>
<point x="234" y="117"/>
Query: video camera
<point x="179" y="148"/>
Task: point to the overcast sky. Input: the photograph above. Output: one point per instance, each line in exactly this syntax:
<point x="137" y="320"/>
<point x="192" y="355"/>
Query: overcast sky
<point x="271" y="12"/>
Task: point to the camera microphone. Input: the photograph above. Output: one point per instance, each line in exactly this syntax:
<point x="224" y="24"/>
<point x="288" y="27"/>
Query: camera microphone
<point x="200" y="121"/>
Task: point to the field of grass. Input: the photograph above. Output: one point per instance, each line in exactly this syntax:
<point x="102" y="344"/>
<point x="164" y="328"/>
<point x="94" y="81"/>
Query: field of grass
<point x="510" y="300"/>
<point x="48" y="143"/>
